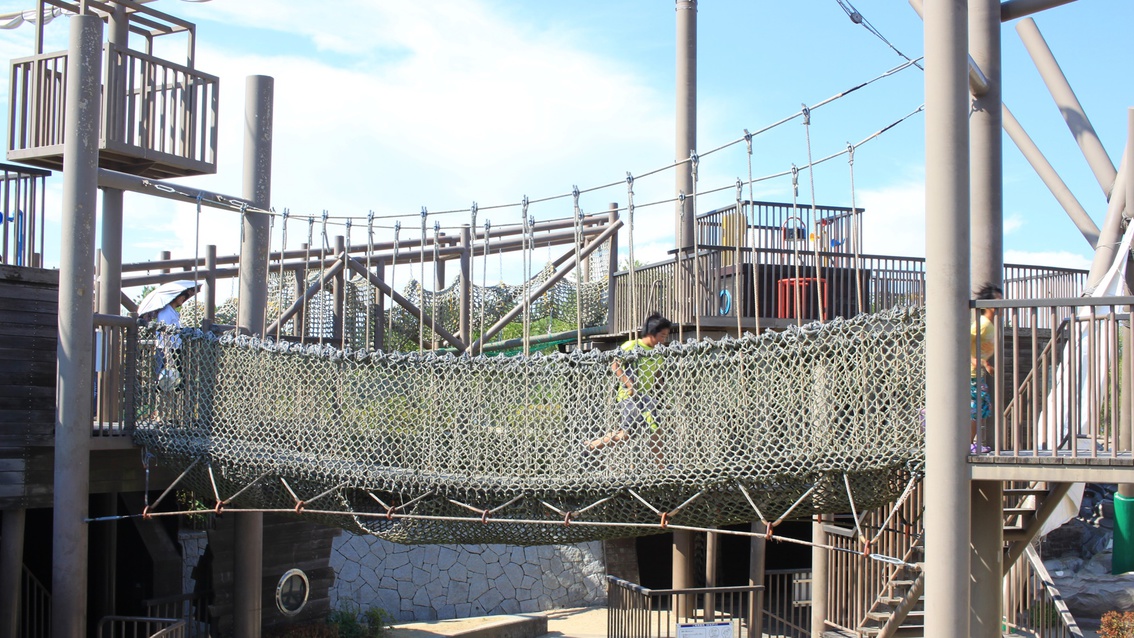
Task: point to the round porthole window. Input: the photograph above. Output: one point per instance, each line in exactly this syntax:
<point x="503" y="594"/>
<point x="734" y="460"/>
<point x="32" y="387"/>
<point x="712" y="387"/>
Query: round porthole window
<point x="291" y="592"/>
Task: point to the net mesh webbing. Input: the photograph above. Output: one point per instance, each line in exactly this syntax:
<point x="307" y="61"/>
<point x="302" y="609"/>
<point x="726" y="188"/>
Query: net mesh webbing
<point x="762" y="421"/>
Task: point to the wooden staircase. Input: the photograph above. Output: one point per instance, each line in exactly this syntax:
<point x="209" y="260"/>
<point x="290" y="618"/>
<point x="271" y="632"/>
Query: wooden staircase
<point x="899" y="610"/>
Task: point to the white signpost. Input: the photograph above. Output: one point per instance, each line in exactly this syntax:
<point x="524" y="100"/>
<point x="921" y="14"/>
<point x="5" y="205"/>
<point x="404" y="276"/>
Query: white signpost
<point x="704" y="630"/>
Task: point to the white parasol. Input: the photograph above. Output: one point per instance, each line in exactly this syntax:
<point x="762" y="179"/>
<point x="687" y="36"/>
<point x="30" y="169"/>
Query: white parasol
<point x="159" y="297"/>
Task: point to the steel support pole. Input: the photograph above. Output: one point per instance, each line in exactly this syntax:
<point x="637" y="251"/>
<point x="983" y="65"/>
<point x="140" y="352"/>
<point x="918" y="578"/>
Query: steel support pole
<point x="1110" y="235"/>
<point x="249" y="527"/>
<point x="1051" y="178"/>
<point x="712" y="549"/>
<point x="1124" y="543"/>
<point x="986" y="149"/>
<point x="757" y="559"/>
<point x="338" y="294"/>
<point x="986" y="264"/>
<point x="76" y="327"/>
<point x="686" y="141"/>
<point x="947" y="318"/>
<point x="611" y="268"/>
<point x="987" y="558"/>
<point x="211" y="283"/>
<point x="820" y="562"/>
<point x="1015" y="9"/>
<point x="464" y="327"/>
<point x="11" y="570"/>
<point x="1068" y="104"/>
<point x="686" y="113"/>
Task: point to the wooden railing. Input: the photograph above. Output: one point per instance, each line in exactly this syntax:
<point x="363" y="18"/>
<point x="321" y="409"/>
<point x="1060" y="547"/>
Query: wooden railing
<point x="1032" y="604"/>
<point x="1060" y="400"/>
<point x="637" y="612"/>
<point x="115" y="362"/>
<point x="22" y="197"/>
<point x="159" y="118"/>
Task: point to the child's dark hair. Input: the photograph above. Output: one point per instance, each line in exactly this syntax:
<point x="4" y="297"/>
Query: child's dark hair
<point x="988" y="291"/>
<point x="655" y="323"/>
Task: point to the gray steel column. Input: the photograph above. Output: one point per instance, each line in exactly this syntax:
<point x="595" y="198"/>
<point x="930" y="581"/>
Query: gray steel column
<point x="683" y="569"/>
<point x="76" y="326"/>
<point x="1051" y="179"/>
<point x="110" y="261"/>
<point x="1014" y="9"/>
<point x="756" y="562"/>
<point x="211" y="283"/>
<point x="686" y="140"/>
<point x="249" y="527"/>
<point x="987" y="558"/>
<point x="820" y="561"/>
<point x="986" y="264"/>
<point x="611" y="268"/>
<point x="711" y="552"/>
<point x="986" y="149"/>
<point x="11" y="570"/>
<point x="1125" y="436"/>
<point x="1068" y="104"/>
<point x="464" y="330"/>
<point x="686" y="110"/>
<point x="948" y="317"/>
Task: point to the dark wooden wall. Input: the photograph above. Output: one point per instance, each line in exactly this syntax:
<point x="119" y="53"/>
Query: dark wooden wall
<point x="289" y="543"/>
<point x="28" y="337"/>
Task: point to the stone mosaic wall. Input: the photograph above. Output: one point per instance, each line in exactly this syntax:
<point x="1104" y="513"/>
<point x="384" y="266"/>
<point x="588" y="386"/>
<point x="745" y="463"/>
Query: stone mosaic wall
<point x="432" y="582"/>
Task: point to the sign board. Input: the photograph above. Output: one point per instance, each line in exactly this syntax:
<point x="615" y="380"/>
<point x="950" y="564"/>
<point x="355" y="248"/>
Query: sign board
<point x="704" y="630"/>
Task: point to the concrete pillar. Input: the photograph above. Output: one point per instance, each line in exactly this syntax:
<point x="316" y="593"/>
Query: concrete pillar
<point x="1123" y="537"/>
<point x="820" y="560"/>
<point x="110" y="262"/>
<point x="249" y="527"/>
<point x="76" y="325"/>
<point x="11" y="570"/>
<point x="686" y="111"/>
<point x="987" y="556"/>
<point x="948" y="317"/>
<point x="711" y="551"/>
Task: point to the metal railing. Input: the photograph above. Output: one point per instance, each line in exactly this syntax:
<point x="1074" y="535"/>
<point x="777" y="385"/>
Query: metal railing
<point x="188" y="607"/>
<point x="1056" y="391"/>
<point x="787" y="603"/>
<point x="115" y="362"/>
<point x="35" y="607"/>
<point x="802" y="285"/>
<point x="153" y="109"/>
<point x="140" y="627"/>
<point x="637" y="612"/>
<point x="1032" y="604"/>
<point x="22" y="215"/>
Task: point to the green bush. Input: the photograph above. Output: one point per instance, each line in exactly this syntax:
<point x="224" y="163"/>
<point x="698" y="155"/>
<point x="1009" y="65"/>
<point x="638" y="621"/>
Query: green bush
<point x="349" y="622"/>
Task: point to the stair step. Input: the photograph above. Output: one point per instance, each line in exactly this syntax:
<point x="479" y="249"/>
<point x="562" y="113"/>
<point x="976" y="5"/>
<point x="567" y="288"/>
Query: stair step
<point x="1025" y="491"/>
<point x="1019" y="510"/>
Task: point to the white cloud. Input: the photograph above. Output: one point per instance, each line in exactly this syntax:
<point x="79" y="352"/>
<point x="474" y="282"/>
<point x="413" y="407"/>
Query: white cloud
<point x="894" y="222"/>
<point x="1050" y="259"/>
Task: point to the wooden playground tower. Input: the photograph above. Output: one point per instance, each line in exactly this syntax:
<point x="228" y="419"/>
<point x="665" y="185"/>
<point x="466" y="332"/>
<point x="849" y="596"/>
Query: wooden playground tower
<point x="123" y="118"/>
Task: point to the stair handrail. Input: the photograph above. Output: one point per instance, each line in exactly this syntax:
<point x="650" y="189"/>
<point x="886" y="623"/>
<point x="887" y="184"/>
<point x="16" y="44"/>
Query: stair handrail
<point x="35" y="606"/>
<point x="1050" y="599"/>
<point x="1027" y="386"/>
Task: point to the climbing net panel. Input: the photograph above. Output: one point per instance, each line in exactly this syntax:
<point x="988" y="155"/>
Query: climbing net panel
<point x="430" y="448"/>
<point x="554" y="311"/>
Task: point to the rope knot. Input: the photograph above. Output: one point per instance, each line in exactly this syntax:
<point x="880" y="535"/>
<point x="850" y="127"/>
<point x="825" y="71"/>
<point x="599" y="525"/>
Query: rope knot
<point x="567" y="518"/>
<point x="664" y="520"/>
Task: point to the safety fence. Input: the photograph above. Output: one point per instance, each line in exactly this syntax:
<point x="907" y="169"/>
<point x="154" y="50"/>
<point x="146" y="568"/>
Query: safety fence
<point x="190" y="608"/>
<point x="156" y="113"/>
<point x="35" y="606"/>
<point x="1032" y="604"/>
<point x="638" y="612"/>
<point x="787" y="603"/>
<point x="115" y="362"/>
<point x="780" y="285"/>
<point x="1057" y="389"/>
<point x="22" y="196"/>
<point x="140" y="627"/>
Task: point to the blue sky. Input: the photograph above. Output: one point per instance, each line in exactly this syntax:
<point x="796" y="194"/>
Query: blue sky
<point x="390" y="106"/>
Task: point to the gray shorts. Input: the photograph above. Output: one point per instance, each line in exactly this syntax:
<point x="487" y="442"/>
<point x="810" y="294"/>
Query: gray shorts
<point x="639" y="412"/>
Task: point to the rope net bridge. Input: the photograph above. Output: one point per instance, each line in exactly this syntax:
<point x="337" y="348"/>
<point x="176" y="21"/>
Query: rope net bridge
<point x="435" y="448"/>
